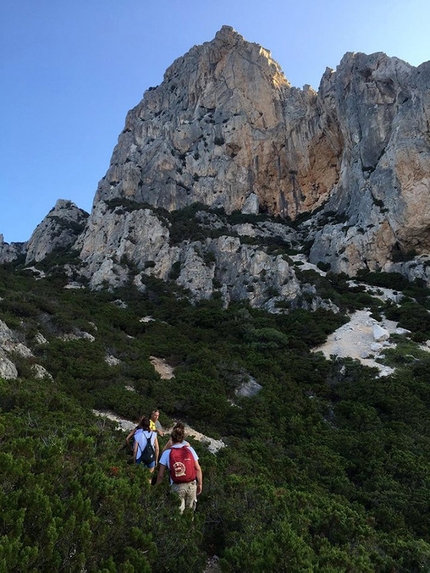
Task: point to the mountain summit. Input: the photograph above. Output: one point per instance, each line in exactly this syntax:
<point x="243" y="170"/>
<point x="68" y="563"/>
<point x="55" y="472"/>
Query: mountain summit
<point x="226" y="129"/>
<point x="344" y="171"/>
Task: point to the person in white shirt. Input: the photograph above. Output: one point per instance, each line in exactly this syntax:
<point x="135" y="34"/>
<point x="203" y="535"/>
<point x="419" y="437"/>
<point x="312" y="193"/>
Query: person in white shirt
<point x="186" y="476"/>
<point x="142" y="435"/>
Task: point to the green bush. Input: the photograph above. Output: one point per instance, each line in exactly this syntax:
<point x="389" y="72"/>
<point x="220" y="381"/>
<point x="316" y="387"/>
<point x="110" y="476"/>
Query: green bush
<point x="325" y="468"/>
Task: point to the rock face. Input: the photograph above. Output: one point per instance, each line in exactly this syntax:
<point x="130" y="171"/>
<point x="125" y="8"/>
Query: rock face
<point x="226" y="130"/>
<point x="10" y="252"/>
<point x="383" y="109"/>
<point x="9" y="344"/>
<point x="116" y="239"/>
<point x="59" y="229"/>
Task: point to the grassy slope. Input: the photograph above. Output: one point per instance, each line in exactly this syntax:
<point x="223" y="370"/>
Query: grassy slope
<point x="326" y="468"/>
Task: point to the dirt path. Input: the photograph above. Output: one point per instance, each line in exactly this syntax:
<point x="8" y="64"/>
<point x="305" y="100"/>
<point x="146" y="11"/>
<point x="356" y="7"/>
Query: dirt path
<point x="164" y="370"/>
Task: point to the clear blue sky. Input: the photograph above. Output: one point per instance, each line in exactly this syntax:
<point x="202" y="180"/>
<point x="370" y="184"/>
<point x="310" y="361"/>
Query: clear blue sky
<point x="71" y="69"/>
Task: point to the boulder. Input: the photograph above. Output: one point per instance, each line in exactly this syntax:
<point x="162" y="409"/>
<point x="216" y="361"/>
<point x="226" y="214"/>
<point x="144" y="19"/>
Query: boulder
<point x="380" y="334"/>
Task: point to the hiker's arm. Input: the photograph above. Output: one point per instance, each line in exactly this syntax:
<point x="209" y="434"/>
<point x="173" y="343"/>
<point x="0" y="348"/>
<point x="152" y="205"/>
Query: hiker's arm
<point x="161" y="470"/>
<point x="128" y="438"/>
<point x="136" y="445"/>
<point x="159" y="428"/>
<point x="157" y="450"/>
<point x="199" y="476"/>
<point x="168" y="445"/>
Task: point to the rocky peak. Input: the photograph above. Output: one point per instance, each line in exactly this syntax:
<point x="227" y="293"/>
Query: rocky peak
<point x="225" y="124"/>
<point x="59" y="229"/>
<point x="382" y="106"/>
<point x="226" y="130"/>
<point x="10" y="251"/>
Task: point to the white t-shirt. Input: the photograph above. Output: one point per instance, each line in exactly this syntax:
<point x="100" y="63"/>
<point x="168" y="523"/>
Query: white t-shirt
<point x="141" y="437"/>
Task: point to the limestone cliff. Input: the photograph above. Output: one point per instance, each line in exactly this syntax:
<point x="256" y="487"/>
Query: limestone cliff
<point x="59" y="229"/>
<point x="382" y="107"/>
<point x="11" y="251"/>
<point x="344" y="171"/>
<point x="224" y="127"/>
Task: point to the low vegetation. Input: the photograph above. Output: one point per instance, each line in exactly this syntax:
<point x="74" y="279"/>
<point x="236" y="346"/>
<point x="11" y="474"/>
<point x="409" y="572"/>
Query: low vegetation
<point x="326" y="468"/>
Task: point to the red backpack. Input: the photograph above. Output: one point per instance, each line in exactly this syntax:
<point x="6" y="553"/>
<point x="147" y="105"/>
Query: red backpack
<point x="181" y="462"/>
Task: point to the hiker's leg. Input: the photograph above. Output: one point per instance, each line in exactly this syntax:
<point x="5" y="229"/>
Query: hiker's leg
<point x="181" y="491"/>
<point x="151" y="468"/>
<point x="191" y="495"/>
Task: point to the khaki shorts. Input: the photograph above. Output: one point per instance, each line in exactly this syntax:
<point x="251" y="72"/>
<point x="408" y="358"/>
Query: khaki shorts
<point x="187" y="493"/>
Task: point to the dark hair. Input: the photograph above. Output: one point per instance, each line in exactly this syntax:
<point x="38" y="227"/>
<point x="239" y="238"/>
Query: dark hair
<point x="144" y="423"/>
<point x="178" y="433"/>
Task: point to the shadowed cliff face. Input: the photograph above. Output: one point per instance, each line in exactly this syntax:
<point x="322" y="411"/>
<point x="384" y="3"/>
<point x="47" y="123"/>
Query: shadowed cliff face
<point x="382" y="107"/>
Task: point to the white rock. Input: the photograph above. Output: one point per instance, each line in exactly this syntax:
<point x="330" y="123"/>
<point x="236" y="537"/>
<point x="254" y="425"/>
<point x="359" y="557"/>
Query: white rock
<point x="40" y="372"/>
<point x="40" y="339"/>
<point x="400" y="330"/>
<point x="380" y="334"/>
<point x="8" y="369"/>
<point x="249" y="388"/>
<point x="251" y="204"/>
<point x="78" y="336"/>
<point x="112" y="361"/>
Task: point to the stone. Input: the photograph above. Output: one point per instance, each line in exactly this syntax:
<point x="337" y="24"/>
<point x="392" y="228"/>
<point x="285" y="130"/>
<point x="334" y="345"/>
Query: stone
<point x="251" y="204"/>
<point x="225" y="128"/>
<point x="9" y="344"/>
<point x="8" y="369"/>
<point x="59" y="229"/>
<point x="40" y="372"/>
<point x="112" y="360"/>
<point x="380" y="334"/>
<point x="249" y="388"/>
<point x="349" y="164"/>
<point x="10" y="252"/>
<point x="40" y="339"/>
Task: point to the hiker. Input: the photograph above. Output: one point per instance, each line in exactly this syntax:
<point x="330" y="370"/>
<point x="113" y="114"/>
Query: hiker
<point x="154" y="424"/>
<point x="186" y="478"/>
<point x="142" y="436"/>
<point x="130" y="438"/>
<point x="169" y="442"/>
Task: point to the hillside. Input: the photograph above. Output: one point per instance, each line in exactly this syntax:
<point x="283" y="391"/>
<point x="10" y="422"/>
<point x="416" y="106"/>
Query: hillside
<point x="256" y="265"/>
<point x="325" y="468"/>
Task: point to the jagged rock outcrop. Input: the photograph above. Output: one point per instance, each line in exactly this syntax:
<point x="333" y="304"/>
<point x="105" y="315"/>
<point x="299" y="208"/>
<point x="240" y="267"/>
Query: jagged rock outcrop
<point x="225" y="129"/>
<point x="59" y="229"/>
<point x="116" y="240"/>
<point x="382" y="106"/>
<point x="10" y="251"/>
<point x="213" y="132"/>
<point x="10" y="345"/>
